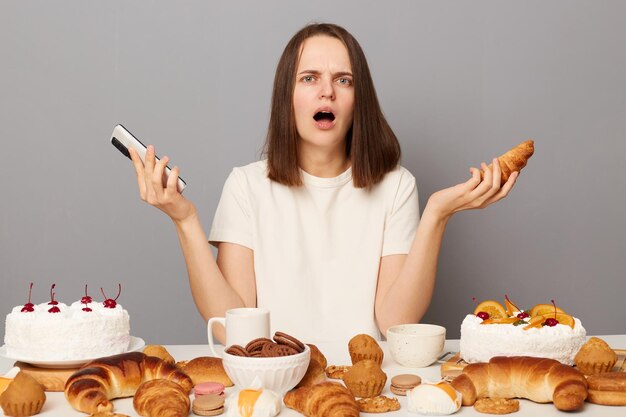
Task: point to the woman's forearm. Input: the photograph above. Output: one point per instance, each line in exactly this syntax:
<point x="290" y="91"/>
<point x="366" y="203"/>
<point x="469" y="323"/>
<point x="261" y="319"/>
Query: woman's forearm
<point x="211" y="293"/>
<point x="409" y="296"/>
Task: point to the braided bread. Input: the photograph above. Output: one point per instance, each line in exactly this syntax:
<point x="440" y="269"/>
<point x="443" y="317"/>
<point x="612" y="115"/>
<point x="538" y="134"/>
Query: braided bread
<point x="90" y="388"/>
<point x="537" y="379"/>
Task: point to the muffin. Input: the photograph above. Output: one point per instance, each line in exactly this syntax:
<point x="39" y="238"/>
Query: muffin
<point x="363" y="346"/>
<point x="365" y="379"/>
<point x="595" y="357"/>
<point x="23" y="397"/>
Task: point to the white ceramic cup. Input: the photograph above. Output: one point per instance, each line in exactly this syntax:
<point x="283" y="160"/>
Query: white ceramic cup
<point x="416" y="345"/>
<point x="242" y="325"/>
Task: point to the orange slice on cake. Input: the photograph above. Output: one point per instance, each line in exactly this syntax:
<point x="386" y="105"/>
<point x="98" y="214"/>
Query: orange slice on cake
<point x="535" y="321"/>
<point x="565" y="319"/>
<point x="510" y="307"/>
<point x="544" y="310"/>
<point x="505" y="320"/>
<point x="493" y="308"/>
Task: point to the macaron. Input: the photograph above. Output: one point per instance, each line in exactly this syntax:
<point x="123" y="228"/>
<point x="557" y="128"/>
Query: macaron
<point x="402" y="383"/>
<point x="206" y="388"/>
<point x="208" y="405"/>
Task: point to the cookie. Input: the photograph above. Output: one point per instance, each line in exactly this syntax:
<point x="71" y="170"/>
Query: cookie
<point x="402" y="383"/>
<point x="237" y="350"/>
<point x="268" y="350"/>
<point x="285" y="339"/>
<point x="496" y="405"/>
<point x="379" y="404"/>
<point x="336" y="371"/>
<point x="208" y="405"/>
<point x="257" y="344"/>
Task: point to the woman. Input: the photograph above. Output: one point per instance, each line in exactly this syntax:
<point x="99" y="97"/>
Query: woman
<point x="326" y="232"/>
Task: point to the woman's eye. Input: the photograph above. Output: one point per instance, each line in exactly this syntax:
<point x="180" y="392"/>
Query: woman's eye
<point x="307" y="78"/>
<point x="344" y="81"/>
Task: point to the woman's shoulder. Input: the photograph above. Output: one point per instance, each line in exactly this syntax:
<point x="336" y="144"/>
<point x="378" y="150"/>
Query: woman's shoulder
<point x="249" y="176"/>
<point x="398" y="175"/>
<point x="255" y="170"/>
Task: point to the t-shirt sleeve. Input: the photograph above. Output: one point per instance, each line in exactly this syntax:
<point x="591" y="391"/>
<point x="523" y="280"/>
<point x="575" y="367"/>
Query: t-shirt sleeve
<point x="233" y="218"/>
<point x="402" y="220"/>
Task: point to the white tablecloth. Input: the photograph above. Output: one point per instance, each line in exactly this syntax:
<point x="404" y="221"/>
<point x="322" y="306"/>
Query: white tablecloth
<point x="337" y="354"/>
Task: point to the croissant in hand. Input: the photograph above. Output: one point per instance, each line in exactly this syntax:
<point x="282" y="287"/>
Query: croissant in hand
<point x="537" y="379"/>
<point x="91" y="388"/>
<point x="327" y="399"/>
<point x="514" y="160"/>
<point x="161" y="398"/>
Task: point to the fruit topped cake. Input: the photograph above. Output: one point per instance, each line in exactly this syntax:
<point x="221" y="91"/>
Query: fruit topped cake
<point x="545" y="331"/>
<point x="54" y="331"/>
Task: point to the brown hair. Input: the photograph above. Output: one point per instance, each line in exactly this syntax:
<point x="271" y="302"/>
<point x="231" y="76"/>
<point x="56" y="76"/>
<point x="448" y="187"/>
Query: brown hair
<point x="371" y="145"/>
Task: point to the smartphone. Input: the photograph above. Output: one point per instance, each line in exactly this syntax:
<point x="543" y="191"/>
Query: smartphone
<point x="122" y="139"/>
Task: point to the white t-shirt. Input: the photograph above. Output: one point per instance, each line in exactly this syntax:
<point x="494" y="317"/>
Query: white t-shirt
<point x="317" y="248"/>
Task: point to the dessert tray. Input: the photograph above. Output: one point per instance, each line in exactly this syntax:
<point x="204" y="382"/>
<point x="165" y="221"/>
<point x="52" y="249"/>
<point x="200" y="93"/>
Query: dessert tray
<point x="135" y="344"/>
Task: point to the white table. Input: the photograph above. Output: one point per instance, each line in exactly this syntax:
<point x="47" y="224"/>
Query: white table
<point x="337" y="354"/>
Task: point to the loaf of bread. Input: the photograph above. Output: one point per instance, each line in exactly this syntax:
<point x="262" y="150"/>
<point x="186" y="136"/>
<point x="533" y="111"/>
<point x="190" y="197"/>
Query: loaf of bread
<point x="91" y="388"/>
<point x="537" y="379"/>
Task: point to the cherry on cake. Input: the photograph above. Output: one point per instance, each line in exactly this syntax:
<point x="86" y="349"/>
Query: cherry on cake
<point x="545" y="331"/>
<point x="54" y="331"/>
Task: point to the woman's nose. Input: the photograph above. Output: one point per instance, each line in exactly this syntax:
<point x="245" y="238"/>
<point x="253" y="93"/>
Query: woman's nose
<point x="327" y="90"/>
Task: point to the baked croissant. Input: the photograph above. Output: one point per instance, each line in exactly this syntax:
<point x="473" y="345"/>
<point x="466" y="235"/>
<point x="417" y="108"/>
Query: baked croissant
<point x="514" y="160"/>
<point x="327" y="399"/>
<point x="90" y="388"/>
<point x="161" y="398"/>
<point x="537" y="379"/>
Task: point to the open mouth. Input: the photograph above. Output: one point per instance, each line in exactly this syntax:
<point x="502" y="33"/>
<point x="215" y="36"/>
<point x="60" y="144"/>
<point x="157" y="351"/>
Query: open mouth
<point x="324" y="115"/>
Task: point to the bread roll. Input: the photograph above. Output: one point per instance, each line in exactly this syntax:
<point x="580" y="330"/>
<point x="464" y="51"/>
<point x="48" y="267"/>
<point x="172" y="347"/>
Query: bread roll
<point x="91" y="388"/>
<point x="537" y="379"/>
<point x="608" y="388"/>
<point x="206" y="369"/>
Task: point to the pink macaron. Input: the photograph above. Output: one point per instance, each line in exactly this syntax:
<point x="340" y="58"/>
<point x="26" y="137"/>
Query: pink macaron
<point x="205" y="388"/>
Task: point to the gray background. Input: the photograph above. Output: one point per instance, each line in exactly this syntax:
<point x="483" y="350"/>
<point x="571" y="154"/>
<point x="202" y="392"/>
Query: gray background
<point x="460" y="82"/>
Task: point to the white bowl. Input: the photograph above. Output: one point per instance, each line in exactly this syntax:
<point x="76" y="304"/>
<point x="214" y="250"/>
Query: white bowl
<point x="279" y="374"/>
<point x="416" y="345"/>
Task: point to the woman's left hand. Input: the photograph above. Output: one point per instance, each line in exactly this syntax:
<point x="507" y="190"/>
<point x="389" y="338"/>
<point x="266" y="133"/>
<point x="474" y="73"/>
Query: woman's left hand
<point x="474" y="193"/>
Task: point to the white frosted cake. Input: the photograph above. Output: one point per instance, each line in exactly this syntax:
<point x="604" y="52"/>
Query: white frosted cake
<point x="79" y="331"/>
<point x="481" y="342"/>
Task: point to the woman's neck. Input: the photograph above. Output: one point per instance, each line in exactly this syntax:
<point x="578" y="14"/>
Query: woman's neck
<point x="323" y="164"/>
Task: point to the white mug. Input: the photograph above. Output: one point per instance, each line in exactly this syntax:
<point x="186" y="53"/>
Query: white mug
<point x="242" y="325"/>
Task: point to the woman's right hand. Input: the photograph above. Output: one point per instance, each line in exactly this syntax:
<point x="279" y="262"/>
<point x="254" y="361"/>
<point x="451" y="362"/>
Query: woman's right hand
<point x="151" y="189"/>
